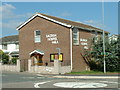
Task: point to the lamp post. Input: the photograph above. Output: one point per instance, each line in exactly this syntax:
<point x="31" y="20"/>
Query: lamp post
<point x="58" y="51"/>
<point x="103" y="37"/>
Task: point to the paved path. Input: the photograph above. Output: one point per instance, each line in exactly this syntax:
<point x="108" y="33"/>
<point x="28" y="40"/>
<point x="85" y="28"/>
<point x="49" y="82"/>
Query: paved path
<point x="93" y="77"/>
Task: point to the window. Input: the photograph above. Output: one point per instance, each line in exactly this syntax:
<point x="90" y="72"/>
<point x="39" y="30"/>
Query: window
<point x="4" y="46"/>
<point x="75" y="36"/>
<point x="56" y="56"/>
<point x="17" y="46"/>
<point x="37" y="36"/>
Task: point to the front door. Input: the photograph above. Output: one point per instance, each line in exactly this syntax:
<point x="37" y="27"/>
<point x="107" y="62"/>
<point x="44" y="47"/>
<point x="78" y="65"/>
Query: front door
<point x="37" y="59"/>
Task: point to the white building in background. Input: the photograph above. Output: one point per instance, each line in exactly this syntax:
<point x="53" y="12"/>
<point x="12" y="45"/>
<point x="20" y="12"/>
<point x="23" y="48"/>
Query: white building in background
<point x="113" y="37"/>
<point x="10" y="45"/>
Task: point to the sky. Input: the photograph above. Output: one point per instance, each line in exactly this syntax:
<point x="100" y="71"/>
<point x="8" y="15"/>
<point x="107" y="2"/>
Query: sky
<point x="15" y="13"/>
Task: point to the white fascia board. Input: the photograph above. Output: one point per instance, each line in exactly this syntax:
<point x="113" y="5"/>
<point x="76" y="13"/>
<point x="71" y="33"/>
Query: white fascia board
<point x="45" y="18"/>
<point x="26" y="22"/>
<point x="36" y="52"/>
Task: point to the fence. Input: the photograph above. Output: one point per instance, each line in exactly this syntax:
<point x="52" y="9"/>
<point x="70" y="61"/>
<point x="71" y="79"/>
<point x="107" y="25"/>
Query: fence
<point x="8" y="67"/>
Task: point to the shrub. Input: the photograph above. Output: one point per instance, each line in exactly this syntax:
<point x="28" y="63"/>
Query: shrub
<point x="4" y="57"/>
<point x="14" y="60"/>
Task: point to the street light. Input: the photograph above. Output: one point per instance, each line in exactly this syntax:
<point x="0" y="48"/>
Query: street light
<point x="58" y="51"/>
<point x="103" y="37"/>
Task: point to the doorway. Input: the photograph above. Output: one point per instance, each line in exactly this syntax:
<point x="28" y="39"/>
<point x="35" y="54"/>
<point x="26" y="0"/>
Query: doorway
<point x="37" y="59"/>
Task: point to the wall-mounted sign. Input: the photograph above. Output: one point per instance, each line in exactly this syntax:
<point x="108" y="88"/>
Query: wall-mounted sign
<point x="52" y="38"/>
<point x="84" y="43"/>
<point x="83" y="40"/>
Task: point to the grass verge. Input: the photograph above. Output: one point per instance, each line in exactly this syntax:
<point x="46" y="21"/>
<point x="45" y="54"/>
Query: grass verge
<point x="91" y="73"/>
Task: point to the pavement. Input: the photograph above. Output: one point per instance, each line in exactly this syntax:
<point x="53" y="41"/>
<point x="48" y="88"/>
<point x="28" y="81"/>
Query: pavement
<point x="103" y="77"/>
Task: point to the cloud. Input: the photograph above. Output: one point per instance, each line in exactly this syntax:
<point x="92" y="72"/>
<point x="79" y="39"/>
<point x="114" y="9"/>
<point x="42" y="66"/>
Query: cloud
<point x="9" y="28"/>
<point x="65" y="14"/>
<point x="6" y="8"/>
<point x="11" y="24"/>
<point x="95" y="23"/>
<point x="90" y="21"/>
<point x="7" y="11"/>
<point x="10" y="20"/>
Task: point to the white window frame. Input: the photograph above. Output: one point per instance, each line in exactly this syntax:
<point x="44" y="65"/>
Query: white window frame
<point x="37" y="36"/>
<point x="16" y="46"/>
<point x="76" y="43"/>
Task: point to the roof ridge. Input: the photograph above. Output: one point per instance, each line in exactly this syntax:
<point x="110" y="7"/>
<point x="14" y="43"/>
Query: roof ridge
<point x="71" y="21"/>
<point x="9" y="36"/>
<point x="64" y="22"/>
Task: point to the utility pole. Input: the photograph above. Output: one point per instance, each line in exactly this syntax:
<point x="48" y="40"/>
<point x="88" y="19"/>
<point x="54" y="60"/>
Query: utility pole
<point x="103" y="37"/>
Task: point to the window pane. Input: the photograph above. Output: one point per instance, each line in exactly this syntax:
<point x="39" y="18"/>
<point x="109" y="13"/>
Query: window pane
<point x="75" y="41"/>
<point x="37" y="39"/>
<point x="37" y="36"/>
<point x="75" y="36"/>
<point x="52" y="57"/>
<point x="17" y="46"/>
<point x="37" y="33"/>
<point x="56" y="56"/>
<point x="60" y="57"/>
<point x="75" y="30"/>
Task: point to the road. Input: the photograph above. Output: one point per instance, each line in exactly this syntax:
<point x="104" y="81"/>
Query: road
<point x="27" y="80"/>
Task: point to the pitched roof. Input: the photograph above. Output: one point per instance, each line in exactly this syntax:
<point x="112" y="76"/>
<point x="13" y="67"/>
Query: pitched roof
<point x="37" y="51"/>
<point x="77" y="24"/>
<point x="63" y="22"/>
<point x="9" y="39"/>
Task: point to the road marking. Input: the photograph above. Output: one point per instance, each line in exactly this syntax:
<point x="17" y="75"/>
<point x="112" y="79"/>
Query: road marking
<point x="36" y="85"/>
<point x="79" y="85"/>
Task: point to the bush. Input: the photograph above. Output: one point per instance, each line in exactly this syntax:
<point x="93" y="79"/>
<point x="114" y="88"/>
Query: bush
<point x="112" y="56"/>
<point x="14" y="60"/>
<point x="4" y="57"/>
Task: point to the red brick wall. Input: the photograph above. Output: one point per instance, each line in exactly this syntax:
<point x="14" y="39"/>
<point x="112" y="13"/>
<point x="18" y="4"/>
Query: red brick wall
<point x="27" y="45"/>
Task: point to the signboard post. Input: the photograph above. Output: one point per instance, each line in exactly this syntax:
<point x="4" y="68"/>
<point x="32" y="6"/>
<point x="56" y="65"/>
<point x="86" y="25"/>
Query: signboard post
<point x="57" y="63"/>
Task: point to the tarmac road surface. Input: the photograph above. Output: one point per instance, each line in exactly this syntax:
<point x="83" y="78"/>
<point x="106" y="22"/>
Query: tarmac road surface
<point x="27" y="80"/>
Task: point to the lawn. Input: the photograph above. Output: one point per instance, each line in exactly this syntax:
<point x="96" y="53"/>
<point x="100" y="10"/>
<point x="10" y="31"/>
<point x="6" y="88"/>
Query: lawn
<point x="92" y="73"/>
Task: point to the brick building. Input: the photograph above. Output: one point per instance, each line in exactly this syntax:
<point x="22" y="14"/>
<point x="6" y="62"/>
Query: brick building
<point x="41" y="35"/>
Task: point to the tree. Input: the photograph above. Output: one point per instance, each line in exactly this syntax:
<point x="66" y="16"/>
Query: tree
<point x="111" y="55"/>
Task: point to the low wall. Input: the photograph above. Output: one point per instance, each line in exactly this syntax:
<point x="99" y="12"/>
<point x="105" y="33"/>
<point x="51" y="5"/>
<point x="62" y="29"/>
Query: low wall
<point x="65" y="69"/>
<point x="6" y="67"/>
<point x="49" y="70"/>
<point x="41" y="69"/>
<point x="56" y="69"/>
